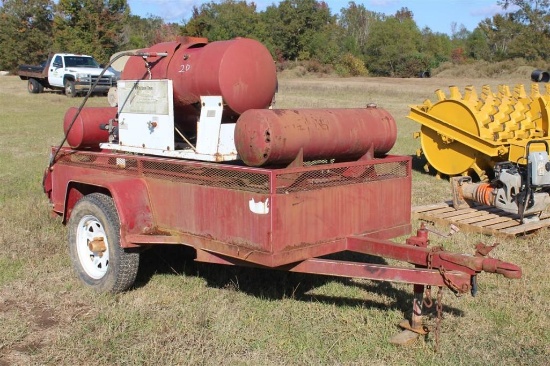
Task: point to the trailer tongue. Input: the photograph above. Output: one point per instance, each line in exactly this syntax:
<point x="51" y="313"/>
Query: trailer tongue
<point x="193" y="156"/>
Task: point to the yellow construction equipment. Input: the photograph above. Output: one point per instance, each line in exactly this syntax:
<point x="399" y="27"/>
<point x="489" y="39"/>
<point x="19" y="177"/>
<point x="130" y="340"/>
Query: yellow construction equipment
<point x="469" y="133"/>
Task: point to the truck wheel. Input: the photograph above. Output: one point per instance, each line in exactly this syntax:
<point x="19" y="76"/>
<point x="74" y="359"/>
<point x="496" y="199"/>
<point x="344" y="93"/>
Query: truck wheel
<point x="94" y="245"/>
<point x="70" y="90"/>
<point x="33" y="86"/>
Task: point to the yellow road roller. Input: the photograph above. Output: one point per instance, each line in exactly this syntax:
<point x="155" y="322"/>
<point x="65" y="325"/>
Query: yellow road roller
<point x="467" y="133"/>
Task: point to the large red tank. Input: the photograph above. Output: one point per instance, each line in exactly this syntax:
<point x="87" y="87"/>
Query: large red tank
<point x="264" y="137"/>
<point x="241" y="70"/>
<point x="85" y="132"/>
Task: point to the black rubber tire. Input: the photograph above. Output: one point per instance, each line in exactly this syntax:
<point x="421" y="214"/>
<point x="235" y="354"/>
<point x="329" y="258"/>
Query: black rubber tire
<point x="122" y="267"/>
<point x="70" y="90"/>
<point x="33" y="86"/>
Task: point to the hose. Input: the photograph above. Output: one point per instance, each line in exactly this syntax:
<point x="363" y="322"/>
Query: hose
<point x="128" y="53"/>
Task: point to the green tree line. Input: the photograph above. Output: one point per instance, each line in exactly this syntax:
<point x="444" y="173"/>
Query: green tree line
<point x="356" y="41"/>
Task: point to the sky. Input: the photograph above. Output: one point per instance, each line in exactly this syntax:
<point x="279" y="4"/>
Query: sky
<point x="438" y="15"/>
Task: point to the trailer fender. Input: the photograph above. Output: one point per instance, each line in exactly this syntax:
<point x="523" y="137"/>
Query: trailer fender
<point x="131" y="197"/>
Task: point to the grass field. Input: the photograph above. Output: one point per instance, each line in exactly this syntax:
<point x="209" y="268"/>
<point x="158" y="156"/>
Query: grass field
<point x="181" y="312"/>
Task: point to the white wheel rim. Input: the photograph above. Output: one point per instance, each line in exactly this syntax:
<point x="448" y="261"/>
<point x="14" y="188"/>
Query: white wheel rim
<point x="95" y="264"/>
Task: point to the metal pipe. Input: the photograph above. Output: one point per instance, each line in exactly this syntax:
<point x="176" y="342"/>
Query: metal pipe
<point x="539" y="76"/>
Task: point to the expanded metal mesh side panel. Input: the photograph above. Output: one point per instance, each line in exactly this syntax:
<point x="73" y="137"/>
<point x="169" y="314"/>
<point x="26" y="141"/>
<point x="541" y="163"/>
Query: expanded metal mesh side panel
<point x="173" y="170"/>
<point x="242" y="178"/>
<point x="124" y="165"/>
<point x="327" y="176"/>
<point x="208" y="175"/>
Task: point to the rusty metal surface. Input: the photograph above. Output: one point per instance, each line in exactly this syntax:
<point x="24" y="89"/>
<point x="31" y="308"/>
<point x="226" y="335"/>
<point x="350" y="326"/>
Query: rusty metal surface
<point x="97" y="245"/>
<point x="362" y="270"/>
<point x="240" y="70"/>
<point x="194" y="203"/>
<point x="309" y="211"/>
<point x="432" y="257"/>
<point x="277" y="136"/>
<point x="377" y="272"/>
<point x="85" y="131"/>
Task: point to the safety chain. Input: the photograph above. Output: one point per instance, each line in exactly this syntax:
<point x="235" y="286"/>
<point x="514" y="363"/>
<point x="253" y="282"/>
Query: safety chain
<point x="439" y="309"/>
<point x="450" y="284"/>
<point x="427" y="301"/>
<point x="429" y="259"/>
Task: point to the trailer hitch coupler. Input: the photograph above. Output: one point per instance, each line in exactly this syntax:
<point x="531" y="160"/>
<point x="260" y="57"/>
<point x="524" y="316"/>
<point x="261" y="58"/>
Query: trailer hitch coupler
<point x="508" y="270"/>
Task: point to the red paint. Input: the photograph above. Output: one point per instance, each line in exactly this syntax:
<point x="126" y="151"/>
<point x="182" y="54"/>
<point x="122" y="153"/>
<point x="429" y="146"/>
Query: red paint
<point x="362" y="270"/>
<point x="277" y="136"/>
<point x="240" y="70"/>
<point x="313" y="211"/>
<point x="85" y="131"/>
<point x="440" y="259"/>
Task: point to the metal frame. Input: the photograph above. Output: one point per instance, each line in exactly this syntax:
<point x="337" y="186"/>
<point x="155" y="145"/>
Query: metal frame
<point x="259" y="217"/>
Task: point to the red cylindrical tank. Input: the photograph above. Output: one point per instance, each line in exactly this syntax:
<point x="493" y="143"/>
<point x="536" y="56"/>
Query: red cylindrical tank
<point x="241" y="70"/>
<point x="264" y="137"/>
<point x="86" y="131"/>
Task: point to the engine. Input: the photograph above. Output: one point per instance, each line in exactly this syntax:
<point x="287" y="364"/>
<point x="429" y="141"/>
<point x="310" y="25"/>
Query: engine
<point x="520" y="189"/>
<point x="211" y="101"/>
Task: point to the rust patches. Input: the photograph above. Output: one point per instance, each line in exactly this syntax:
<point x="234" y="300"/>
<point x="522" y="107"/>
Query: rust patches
<point x="155" y="231"/>
<point x="97" y="245"/>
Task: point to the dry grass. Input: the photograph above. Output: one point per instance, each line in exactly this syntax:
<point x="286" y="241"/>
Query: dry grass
<point x="186" y="313"/>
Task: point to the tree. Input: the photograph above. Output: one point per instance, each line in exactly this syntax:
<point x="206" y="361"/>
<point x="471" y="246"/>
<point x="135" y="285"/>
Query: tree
<point x="500" y="32"/>
<point x="26" y="35"/>
<point x="477" y="45"/>
<point x="294" y="25"/>
<point x="93" y="27"/>
<point x="357" y="23"/>
<point x="522" y="32"/>
<point x="532" y="18"/>
<point x="404" y="14"/>
<point x="535" y="13"/>
<point x="144" y="32"/>
<point x="436" y="47"/>
<point x="226" y="20"/>
<point x="393" y="48"/>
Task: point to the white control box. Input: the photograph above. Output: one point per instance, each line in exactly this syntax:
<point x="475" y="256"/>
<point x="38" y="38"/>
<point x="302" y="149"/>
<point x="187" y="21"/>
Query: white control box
<point x="146" y="114"/>
<point x="540" y="166"/>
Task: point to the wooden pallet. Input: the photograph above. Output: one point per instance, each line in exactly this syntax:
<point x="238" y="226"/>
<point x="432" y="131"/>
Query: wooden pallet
<point x="481" y="219"/>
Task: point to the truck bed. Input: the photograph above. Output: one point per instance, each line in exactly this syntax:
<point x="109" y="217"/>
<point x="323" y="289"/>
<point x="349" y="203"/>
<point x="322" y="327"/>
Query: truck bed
<point x="32" y="71"/>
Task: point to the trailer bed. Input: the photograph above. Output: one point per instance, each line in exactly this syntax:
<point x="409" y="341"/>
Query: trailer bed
<point x="267" y="216"/>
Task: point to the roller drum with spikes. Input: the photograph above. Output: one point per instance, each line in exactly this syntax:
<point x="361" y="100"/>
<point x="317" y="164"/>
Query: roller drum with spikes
<point x="468" y="133"/>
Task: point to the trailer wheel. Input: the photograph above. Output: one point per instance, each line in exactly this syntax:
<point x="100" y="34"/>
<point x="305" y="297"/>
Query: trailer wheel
<point x="33" y="86"/>
<point x="94" y="245"/>
<point x="70" y="90"/>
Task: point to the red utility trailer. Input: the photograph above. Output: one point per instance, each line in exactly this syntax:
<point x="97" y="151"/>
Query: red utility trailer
<point x="259" y="187"/>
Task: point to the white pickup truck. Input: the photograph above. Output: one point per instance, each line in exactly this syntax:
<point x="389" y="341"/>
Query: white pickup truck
<point x="75" y="74"/>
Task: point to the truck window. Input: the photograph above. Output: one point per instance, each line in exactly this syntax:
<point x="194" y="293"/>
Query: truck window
<point x="58" y="61"/>
<point x="79" y="61"/>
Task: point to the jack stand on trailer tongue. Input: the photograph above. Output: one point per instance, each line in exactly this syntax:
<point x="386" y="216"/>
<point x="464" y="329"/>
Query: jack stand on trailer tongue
<point x="413" y="329"/>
